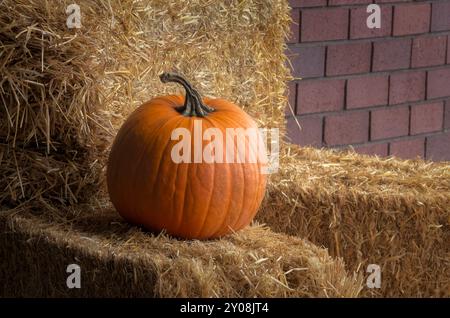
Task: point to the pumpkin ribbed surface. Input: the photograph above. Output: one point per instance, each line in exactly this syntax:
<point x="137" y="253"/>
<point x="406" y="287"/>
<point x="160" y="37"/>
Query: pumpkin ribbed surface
<point x="189" y="200"/>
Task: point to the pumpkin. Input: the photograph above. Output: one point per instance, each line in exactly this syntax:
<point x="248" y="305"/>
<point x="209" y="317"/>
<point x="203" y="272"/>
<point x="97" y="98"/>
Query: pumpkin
<point x="191" y="198"/>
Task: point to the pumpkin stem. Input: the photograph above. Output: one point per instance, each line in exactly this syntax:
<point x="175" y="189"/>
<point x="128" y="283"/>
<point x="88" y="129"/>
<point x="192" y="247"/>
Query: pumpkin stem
<point x="193" y="104"/>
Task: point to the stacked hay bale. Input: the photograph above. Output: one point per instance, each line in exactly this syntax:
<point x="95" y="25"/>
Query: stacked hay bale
<point x="368" y="210"/>
<point x="118" y="260"/>
<point x="65" y="91"/>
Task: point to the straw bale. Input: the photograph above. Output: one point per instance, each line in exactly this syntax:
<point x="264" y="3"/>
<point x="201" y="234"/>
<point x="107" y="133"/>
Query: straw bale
<point x="119" y="260"/>
<point x="64" y="92"/>
<point x="368" y="210"/>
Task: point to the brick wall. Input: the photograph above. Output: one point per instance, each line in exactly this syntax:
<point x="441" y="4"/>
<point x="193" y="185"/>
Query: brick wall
<point x="384" y="91"/>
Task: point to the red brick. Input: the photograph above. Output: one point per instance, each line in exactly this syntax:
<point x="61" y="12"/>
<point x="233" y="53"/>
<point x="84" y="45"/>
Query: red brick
<point x="447" y="115"/>
<point x="291" y="94"/>
<point x="373" y="149"/>
<point x="308" y="134"/>
<point x="307" y="61"/>
<point x="427" y="118"/>
<point x="408" y="149"/>
<point x="411" y="18"/>
<point x="391" y="55"/>
<point x="358" y="23"/>
<point x="439" y="83"/>
<point x="346" y="128"/>
<point x="348" y="58"/>
<point x="438" y="147"/>
<point x="428" y="51"/>
<point x="388" y="123"/>
<point x="385" y="1"/>
<point x="407" y="87"/>
<point x="320" y="96"/>
<point x="324" y="24"/>
<point x="294" y="37"/>
<point x="367" y="91"/>
<point x="307" y="3"/>
<point x="448" y="49"/>
<point x="440" y="20"/>
<point x="346" y="2"/>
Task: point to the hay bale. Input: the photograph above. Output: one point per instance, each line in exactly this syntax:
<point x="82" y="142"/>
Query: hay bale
<point x="368" y="210"/>
<point x="66" y="91"/>
<point x="65" y="94"/>
<point x="119" y="260"/>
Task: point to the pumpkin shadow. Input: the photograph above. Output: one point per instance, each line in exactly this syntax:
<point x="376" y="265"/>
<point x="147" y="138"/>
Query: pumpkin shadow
<point x="106" y="223"/>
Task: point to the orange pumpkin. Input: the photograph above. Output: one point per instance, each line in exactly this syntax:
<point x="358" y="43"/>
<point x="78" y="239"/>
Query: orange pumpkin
<point x="187" y="199"/>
